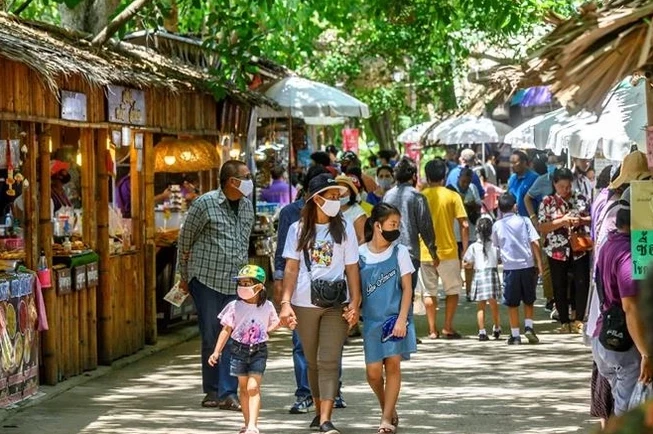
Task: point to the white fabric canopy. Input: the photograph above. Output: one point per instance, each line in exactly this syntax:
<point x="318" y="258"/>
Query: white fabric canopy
<point x="414" y="133"/>
<point x="469" y="129"/>
<point x="302" y="98"/>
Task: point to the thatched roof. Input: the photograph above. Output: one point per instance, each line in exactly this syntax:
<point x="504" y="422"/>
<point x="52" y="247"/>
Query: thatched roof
<point x="55" y="52"/>
<point x="585" y="56"/>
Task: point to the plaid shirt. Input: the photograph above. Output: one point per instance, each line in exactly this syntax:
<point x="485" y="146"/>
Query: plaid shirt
<point x="214" y="242"/>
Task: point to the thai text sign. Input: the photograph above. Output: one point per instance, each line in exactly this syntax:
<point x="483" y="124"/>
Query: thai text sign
<point x="125" y="106"/>
<point x="73" y="106"/>
<point x="641" y="215"/>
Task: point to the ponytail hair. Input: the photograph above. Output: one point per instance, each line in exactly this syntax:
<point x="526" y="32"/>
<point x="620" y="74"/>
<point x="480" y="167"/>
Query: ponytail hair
<point x="484" y="232"/>
<point x="380" y="213"/>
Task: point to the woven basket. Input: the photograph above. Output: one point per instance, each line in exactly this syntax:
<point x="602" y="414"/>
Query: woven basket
<point x="185" y="155"/>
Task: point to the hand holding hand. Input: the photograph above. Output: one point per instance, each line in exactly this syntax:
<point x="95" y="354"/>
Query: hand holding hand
<point x="287" y="316"/>
<point x="351" y="315"/>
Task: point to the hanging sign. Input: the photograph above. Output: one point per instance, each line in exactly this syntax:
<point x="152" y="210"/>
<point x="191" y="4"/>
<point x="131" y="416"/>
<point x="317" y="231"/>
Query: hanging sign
<point x="125" y="106"/>
<point x="649" y="147"/>
<point x="73" y="106"/>
<point x="350" y="139"/>
<point x="641" y="227"/>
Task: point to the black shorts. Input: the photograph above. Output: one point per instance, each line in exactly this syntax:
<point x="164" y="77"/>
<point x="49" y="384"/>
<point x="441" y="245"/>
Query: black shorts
<point x="519" y="286"/>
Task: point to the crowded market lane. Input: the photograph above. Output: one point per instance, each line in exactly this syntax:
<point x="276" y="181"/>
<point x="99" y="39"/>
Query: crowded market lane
<point x="449" y="387"/>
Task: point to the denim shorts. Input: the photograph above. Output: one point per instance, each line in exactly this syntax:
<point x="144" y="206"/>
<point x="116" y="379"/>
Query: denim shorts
<point x="247" y="360"/>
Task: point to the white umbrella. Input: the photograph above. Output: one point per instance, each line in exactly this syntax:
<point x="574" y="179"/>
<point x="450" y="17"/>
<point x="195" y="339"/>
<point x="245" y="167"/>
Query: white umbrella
<point x="469" y="129"/>
<point x="302" y="98"/>
<point x="534" y="133"/>
<point x="414" y="134"/>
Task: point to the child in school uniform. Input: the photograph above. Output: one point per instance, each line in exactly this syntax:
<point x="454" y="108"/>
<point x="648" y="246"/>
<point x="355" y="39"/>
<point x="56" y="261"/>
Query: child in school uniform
<point x="486" y="286"/>
<point x="517" y="240"/>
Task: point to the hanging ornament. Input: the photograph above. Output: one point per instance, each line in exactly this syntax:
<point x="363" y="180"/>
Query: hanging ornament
<point x="10" y="172"/>
<point x="26" y="183"/>
<point x="23" y="149"/>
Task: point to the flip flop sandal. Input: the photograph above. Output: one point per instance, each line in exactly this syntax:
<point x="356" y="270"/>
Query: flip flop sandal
<point x="243" y="430"/>
<point x="252" y="431"/>
<point x="454" y="335"/>
<point x="385" y="428"/>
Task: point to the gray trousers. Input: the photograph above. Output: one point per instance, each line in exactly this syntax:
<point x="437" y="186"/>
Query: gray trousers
<point x="621" y="369"/>
<point x="322" y="333"/>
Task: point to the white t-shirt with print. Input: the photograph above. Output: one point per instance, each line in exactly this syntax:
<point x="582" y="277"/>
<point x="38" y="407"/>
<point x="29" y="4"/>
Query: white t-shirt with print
<point x="328" y="259"/>
<point x="405" y="263"/>
<point x="474" y="255"/>
<point x="250" y="323"/>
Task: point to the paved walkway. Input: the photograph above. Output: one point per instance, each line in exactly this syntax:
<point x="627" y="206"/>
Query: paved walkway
<point x="449" y="387"/>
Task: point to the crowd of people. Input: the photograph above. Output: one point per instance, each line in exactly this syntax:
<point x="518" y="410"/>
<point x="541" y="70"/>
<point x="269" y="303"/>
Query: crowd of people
<point x="364" y="244"/>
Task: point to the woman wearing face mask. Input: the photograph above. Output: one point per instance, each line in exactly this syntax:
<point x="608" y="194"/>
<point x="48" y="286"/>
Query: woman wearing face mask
<point x="385" y="180"/>
<point x="388" y="332"/>
<point x="321" y="255"/>
<point x="351" y="210"/>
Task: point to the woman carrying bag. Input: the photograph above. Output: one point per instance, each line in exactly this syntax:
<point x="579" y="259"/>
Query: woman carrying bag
<point x="321" y="290"/>
<point x="564" y="222"/>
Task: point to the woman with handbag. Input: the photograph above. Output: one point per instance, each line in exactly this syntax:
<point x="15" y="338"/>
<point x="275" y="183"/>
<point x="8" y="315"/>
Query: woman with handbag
<point x="564" y="221"/>
<point x="321" y="290"/>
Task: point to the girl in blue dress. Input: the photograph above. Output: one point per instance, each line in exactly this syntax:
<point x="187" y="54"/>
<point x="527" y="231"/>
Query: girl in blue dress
<point x="386" y="269"/>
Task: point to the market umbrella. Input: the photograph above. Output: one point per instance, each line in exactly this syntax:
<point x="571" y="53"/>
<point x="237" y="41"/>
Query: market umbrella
<point x="414" y="134"/>
<point x="303" y="98"/>
<point x="469" y="129"/>
<point x="185" y="155"/>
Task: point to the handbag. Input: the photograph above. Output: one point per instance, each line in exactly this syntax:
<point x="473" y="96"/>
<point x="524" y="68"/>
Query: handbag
<point x="580" y="243"/>
<point x="614" y="335"/>
<point x="326" y="293"/>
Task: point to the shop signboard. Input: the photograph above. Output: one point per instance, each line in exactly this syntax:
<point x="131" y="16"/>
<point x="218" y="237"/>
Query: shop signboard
<point x="350" y="139"/>
<point x="73" y="106"/>
<point x="641" y="216"/>
<point x="125" y="106"/>
<point x="18" y="344"/>
<point x="64" y="281"/>
<point x="79" y="277"/>
<point x="92" y="274"/>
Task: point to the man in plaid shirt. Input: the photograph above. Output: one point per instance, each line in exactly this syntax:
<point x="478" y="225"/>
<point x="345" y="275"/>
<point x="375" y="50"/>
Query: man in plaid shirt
<point x="213" y="245"/>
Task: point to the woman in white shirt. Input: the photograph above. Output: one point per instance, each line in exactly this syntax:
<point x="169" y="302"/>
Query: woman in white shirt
<point x="321" y="253"/>
<point x="349" y="205"/>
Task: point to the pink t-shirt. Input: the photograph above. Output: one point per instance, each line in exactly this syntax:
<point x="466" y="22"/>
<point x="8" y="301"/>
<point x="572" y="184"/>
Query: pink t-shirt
<point x="249" y="322"/>
<point x="492" y="193"/>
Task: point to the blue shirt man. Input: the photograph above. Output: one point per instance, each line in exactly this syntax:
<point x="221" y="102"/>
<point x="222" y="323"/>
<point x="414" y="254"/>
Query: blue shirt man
<point x="467" y="159"/>
<point x="521" y="180"/>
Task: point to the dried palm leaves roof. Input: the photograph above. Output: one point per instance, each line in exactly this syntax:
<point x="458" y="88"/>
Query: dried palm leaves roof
<point x="585" y="56"/>
<point x="55" y="52"/>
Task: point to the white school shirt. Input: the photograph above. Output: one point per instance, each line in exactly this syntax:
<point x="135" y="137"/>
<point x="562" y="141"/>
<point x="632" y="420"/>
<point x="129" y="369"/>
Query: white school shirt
<point x="328" y="259"/>
<point x="474" y="255"/>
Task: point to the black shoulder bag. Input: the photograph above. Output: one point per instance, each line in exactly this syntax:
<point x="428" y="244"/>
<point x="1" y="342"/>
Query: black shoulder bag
<point x="614" y="335"/>
<point x="325" y="293"/>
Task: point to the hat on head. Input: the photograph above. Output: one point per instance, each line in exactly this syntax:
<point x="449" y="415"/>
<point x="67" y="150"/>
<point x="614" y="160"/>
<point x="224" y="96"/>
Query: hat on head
<point x="468" y="155"/>
<point x="252" y="272"/>
<point x="349" y="156"/>
<point x="350" y="181"/>
<point x="57" y="166"/>
<point x="322" y="183"/>
<point x="633" y="168"/>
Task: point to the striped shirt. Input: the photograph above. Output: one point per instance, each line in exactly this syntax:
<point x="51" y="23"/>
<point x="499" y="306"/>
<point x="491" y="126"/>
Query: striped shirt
<point x="214" y="242"/>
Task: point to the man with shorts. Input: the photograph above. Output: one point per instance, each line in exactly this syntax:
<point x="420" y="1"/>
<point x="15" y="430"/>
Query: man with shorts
<point x="518" y="243"/>
<point x="446" y="207"/>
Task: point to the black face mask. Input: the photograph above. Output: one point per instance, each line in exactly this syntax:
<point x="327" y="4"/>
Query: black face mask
<point x="65" y="179"/>
<point x="391" y="236"/>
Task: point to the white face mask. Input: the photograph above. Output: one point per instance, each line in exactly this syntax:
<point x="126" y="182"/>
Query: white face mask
<point x="247" y="292"/>
<point x="330" y="207"/>
<point x="246" y="186"/>
<point x="345" y="200"/>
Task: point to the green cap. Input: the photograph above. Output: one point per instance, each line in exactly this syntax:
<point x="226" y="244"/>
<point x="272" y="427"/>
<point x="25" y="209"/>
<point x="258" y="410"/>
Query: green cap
<point x="252" y="271"/>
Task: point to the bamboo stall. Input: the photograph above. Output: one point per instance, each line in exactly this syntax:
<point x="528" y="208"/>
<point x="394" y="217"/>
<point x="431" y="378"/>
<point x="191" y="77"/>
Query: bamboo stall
<point x="84" y="109"/>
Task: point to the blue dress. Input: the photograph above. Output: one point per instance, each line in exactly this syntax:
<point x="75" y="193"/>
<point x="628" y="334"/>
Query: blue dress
<point x="381" y="287"/>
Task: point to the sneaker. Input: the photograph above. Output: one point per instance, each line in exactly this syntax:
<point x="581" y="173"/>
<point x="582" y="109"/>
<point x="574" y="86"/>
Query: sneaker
<point x="302" y="405"/>
<point x="496" y="334"/>
<point x="483" y="337"/>
<point x="549" y="306"/>
<point x="512" y="340"/>
<point x="531" y="336"/>
<point x="328" y="428"/>
<point x="339" y="402"/>
<point x="315" y="423"/>
<point x="554" y="315"/>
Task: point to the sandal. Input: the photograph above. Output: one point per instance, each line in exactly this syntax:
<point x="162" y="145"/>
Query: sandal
<point x="434" y="336"/>
<point x="452" y="335"/>
<point x="210" y="401"/>
<point x="386" y="428"/>
<point x="230" y="404"/>
<point x="252" y="431"/>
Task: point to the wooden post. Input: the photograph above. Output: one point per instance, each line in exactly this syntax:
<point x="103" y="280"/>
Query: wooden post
<point x="49" y="373"/>
<point x="105" y="295"/>
<point x="30" y="199"/>
<point x="150" y="247"/>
